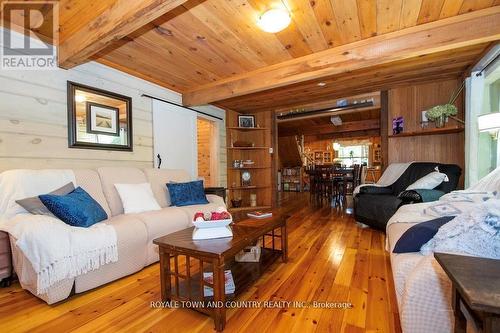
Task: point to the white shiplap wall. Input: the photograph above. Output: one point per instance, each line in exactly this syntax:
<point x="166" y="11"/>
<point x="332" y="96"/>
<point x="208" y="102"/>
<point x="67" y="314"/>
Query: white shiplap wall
<point x="33" y="119"/>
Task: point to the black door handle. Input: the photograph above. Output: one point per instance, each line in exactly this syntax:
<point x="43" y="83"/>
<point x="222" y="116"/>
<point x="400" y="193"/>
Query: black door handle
<point x="159" y="160"/>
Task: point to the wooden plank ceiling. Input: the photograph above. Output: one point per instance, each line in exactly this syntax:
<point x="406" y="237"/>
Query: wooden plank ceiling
<point x="201" y="42"/>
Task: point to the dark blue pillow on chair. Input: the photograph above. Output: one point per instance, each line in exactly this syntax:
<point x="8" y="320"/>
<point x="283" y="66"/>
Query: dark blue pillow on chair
<point x="415" y="237"/>
<point x="185" y="194"/>
<point x="76" y="208"/>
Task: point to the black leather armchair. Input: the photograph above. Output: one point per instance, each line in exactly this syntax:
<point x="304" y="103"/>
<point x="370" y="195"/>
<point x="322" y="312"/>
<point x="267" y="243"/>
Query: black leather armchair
<point x="375" y="205"/>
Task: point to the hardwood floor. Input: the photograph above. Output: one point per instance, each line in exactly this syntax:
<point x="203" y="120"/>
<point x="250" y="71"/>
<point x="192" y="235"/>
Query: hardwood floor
<point x="330" y="259"/>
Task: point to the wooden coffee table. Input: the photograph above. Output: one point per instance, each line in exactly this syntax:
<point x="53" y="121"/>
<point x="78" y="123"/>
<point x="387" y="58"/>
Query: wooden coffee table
<point x="182" y="261"/>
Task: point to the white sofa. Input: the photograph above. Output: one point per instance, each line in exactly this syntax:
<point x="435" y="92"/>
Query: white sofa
<point x="423" y="289"/>
<point x="135" y="232"/>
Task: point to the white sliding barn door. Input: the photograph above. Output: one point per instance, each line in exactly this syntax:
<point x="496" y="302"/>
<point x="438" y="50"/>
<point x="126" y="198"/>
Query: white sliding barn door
<point x="175" y="137"/>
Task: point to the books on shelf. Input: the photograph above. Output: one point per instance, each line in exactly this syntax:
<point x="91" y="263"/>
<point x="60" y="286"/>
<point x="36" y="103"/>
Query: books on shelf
<point x="229" y="285"/>
<point x="259" y="214"/>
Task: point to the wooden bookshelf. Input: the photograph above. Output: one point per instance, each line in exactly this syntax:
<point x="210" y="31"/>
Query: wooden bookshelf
<point x="291" y="179"/>
<point x="261" y="171"/>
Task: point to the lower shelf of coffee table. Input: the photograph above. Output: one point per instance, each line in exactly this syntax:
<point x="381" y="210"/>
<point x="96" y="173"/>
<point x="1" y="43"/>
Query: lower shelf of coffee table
<point x="244" y="275"/>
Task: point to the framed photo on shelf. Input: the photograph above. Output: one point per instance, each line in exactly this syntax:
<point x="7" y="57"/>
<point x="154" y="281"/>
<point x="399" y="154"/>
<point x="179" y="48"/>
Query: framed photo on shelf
<point x="246" y="121"/>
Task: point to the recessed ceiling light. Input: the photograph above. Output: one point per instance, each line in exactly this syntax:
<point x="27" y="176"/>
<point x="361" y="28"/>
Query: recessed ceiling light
<point x="274" y="20"/>
<point x="321" y="84"/>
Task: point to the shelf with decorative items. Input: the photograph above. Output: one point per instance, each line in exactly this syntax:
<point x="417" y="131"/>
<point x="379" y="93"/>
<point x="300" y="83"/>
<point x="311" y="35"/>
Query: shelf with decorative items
<point x="249" y="171"/>
<point x="291" y="179"/>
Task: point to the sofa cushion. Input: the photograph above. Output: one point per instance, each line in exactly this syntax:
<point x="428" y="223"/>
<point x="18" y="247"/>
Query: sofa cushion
<point x="137" y="198"/>
<point x="419" y="234"/>
<point x="77" y="208"/>
<point x="159" y="223"/>
<point x="114" y="175"/>
<point x="158" y="178"/>
<point x="131" y="240"/>
<point x="89" y="180"/>
<point x="185" y="194"/>
<point x="35" y="206"/>
<point x="429" y="181"/>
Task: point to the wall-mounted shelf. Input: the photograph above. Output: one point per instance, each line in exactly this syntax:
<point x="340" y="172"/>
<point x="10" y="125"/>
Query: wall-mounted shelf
<point x="433" y="131"/>
<point x="247" y="128"/>
<point x="245" y="168"/>
<point x="242" y="188"/>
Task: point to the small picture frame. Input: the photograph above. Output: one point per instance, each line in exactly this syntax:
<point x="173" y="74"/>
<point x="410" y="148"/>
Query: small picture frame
<point x="102" y="119"/>
<point x="246" y="121"/>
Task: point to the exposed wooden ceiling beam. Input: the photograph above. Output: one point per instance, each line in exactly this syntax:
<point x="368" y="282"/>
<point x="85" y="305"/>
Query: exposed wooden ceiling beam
<point x="352" y="126"/>
<point x="454" y="32"/>
<point x="357" y="134"/>
<point x="121" y="18"/>
<point x="332" y="103"/>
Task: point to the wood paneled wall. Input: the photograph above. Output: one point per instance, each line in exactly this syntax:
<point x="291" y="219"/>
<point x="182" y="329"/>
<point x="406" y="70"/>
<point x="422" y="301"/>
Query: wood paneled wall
<point x="33" y="119"/>
<point x="409" y="102"/>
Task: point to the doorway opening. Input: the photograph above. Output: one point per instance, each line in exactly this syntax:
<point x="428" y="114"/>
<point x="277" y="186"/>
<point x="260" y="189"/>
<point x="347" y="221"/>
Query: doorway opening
<point x="207" y="151"/>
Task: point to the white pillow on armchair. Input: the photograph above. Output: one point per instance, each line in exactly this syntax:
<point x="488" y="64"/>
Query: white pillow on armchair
<point x="429" y="181"/>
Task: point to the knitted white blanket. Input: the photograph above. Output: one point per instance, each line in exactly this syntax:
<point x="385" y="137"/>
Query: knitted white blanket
<point x="55" y="250"/>
<point x="58" y="251"/>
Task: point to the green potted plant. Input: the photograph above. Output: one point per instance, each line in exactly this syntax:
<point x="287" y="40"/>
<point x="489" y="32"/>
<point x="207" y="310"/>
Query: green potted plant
<point x="439" y="113"/>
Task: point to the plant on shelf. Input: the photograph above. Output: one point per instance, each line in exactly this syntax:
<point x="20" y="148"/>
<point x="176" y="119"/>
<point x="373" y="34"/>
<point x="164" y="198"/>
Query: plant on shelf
<point x="439" y="113"/>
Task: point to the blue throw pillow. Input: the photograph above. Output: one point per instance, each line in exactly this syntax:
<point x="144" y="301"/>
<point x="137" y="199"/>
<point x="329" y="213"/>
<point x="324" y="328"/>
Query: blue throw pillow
<point x="415" y="237"/>
<point x="185" y="194"/>
<point x="76" y="208"/>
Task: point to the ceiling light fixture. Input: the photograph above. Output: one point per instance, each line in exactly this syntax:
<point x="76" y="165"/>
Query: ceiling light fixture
<point x="274" y="20"/>
<point x="336" y="120"/>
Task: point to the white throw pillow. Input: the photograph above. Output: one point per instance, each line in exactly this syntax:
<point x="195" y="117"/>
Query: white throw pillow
<point x="429" y="181"/>
<point x="137" y="198"/>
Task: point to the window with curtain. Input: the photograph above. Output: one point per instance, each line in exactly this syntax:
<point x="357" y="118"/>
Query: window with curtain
<point x="349" y="155"/>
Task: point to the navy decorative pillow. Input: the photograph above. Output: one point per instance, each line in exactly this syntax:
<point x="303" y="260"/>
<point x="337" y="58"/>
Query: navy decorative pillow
<point x="415" y="237"/>
<point x="77" y="208"/>
<point x="185" y="194"/>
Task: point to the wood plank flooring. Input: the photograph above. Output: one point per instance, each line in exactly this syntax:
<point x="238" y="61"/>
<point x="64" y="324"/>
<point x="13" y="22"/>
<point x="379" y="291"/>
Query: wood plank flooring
<point x="330" y="259"/>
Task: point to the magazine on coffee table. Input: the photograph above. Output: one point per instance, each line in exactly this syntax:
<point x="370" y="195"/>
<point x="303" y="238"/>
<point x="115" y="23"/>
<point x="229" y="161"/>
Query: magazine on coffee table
<point x="259" y="214"/>
<point x="229" y="285"/>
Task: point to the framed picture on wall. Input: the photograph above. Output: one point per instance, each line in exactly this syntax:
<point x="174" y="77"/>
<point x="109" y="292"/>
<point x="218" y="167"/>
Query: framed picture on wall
<point x="103" y="119"/>
<point x="247" y="121"/>
<point x="98" y="119"/>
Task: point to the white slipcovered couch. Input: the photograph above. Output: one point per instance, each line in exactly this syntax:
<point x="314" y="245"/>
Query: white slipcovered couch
<point x="423" y="289"/>
<point x="135" y="232"/>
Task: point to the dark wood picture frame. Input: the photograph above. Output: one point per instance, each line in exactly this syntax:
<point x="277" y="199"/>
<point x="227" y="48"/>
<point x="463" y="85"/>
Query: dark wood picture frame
<point x="72" y="131"/>
<point x="88" y="110"/>
<point x="243" y="116"/>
